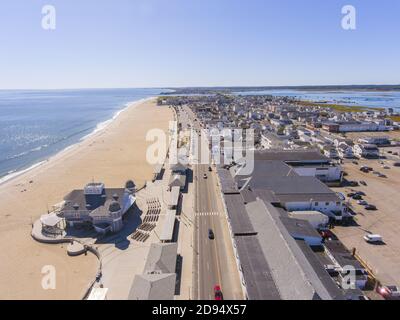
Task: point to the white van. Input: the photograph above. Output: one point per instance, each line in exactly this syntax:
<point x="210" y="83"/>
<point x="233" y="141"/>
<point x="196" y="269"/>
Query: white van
<point x="373" y="238"/>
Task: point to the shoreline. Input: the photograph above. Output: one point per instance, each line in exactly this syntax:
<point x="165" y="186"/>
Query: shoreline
<point x="99" y="127"/>
<point x="113" y="155"/>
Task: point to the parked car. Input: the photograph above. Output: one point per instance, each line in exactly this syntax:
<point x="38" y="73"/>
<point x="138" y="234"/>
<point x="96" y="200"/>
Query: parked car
<point x="363" y="183"/>
<point x="389" y="292"/>
<point x="205" y="176"/>
<point x="218" y="296"/>
<point x="209" y="169"/>
<point x="357" y="197"/>
<point x="327" y="234"/>
<point x="362" y="202"/>
<point x="370" y="207"/>
<point x="373" y="238"/>
<point x="355" y="162"/>
<point x="381" y="175"/>
<point x="211" y="235"/>
<point x="353" y="183"/>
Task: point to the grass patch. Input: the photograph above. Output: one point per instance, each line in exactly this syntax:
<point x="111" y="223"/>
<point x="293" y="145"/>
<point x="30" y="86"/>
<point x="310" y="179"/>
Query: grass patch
<point x="395" y="118"/>
<point x="339" y="107"/>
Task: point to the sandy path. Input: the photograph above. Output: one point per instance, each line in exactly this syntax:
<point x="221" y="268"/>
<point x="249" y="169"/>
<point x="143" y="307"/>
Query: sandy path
<point x="112" y="156"/>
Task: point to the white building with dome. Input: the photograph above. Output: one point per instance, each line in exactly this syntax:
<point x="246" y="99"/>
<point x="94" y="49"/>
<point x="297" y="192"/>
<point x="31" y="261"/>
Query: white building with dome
<point x="98" y="206"/>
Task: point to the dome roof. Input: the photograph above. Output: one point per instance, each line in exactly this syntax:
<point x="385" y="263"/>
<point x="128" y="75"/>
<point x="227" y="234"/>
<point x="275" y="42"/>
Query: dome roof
<point x="130" y="184"/>
<point x="114" y="206"/>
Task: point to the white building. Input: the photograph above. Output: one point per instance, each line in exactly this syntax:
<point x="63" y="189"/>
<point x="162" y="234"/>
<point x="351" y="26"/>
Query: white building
<point x="331" y="152"/>
<point x="354" y="126"/>
<point x="273" y="141"/>
<point x="383" y="141"/>
<point x="345" y="152"/>
<point x="327" y="204"/>
<point x="324" y="172"/>
<point x="366" y="151"/>
<point x="98" y="206"/>
<point x="315" y="218"/>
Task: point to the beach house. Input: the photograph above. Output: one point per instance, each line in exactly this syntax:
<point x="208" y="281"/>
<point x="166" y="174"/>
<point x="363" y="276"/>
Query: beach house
<point x="98" y="207"/>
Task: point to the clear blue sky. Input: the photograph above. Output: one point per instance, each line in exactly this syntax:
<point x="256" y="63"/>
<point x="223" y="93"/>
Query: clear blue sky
<point x="158" y="43"/>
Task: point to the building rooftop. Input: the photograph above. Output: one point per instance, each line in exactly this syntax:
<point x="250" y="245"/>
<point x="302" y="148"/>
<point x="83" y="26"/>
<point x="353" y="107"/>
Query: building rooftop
<point x="292" y="272"/>
<point x="153" y="287"/>
<point x="291" y="155"/>
<point x="237" y="214"/>
<point x="228" y="184"/>
<point x="285" y="185"/>
<point x="161" y="258"/>
<point x="268" y="168"/>
<point x="167" y="232"/>
<point x="174" y="196"/>
<point x="78" y="200"/>
<point x="159" y="278"/>
<point x="342" y="255"/>
<point x="299" y="227"/>
<point x="259" y="282"/>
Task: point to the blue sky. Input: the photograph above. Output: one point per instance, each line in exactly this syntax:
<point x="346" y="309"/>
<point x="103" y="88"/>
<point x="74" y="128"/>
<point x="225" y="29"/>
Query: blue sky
<point x="158" y="43"/>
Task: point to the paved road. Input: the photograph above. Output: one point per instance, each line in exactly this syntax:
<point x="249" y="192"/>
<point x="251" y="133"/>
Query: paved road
<point x="214" y="262"/>
<point x="209" y="269"/>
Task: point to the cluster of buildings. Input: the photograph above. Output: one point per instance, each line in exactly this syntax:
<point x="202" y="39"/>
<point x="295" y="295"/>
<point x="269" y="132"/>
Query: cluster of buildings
<point x="286" y="124"/>
<point x="280" y="216"/>
<point x="279" y="221"/>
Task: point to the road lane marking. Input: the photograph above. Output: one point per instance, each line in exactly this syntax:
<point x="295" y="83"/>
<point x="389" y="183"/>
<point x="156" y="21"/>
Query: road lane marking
<point x="207" y="214"/>
<point x="215" y="247"/>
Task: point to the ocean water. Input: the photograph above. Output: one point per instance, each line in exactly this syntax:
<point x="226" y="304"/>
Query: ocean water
<point x="373" y="99"/>
<point x="36" y="124"/>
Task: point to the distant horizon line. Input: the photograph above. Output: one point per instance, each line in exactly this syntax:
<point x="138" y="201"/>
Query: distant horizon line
<point x="215" y="87"/>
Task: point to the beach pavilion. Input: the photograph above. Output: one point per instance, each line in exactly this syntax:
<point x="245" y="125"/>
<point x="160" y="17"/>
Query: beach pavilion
<point x="52" y="225"/>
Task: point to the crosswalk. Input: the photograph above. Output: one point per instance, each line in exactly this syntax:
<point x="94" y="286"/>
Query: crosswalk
<point x="207" y="214"/>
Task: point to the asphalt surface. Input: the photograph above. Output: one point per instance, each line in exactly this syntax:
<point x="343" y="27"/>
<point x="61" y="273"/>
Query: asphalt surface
<point x="214" y="264"/>
<point x="209" y="268"/>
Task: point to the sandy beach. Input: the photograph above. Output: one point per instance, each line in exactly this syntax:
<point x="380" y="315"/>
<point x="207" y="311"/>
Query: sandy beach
<point x="113" y="155"/>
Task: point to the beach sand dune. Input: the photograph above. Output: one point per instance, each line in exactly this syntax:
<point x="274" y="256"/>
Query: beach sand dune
<point x="113" y="155"/>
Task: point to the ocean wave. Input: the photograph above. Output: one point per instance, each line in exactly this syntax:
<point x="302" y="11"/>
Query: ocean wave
<point x="14" y="173"/>
<point x="22" y="154"/>
<point x="100" y="126"/>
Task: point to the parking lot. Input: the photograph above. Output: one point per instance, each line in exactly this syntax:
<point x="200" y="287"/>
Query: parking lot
<point x="383" y="259"/>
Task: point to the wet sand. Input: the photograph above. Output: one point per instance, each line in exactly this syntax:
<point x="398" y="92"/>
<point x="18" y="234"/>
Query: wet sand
<point x="113" y="156"/>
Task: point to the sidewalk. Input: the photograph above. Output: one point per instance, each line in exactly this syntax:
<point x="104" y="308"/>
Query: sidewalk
<point x="185" y="244"/>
